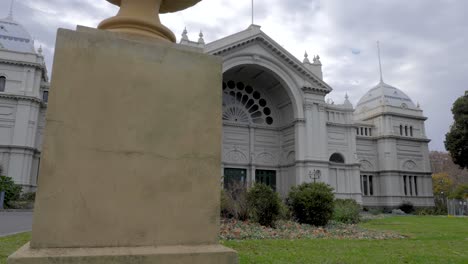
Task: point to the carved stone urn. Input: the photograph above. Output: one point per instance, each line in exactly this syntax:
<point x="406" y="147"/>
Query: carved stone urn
<point x="141" y="17"/>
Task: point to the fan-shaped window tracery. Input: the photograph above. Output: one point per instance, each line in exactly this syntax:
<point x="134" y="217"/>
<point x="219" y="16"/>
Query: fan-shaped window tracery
<point x="241" y="103"/>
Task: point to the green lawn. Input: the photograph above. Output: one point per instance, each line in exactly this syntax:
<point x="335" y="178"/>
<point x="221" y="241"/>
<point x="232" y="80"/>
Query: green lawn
<point x="430" y="240"/>
<point x="10" y="244"/>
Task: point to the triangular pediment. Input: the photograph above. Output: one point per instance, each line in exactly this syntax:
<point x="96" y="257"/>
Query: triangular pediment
<point x="254" y="36"/>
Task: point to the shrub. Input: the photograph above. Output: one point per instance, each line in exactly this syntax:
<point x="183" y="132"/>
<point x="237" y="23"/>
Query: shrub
<point x="29" y="197"/>
<point x="285" y="213"/>
<point x="12" y="190"/>
<point x="312" y="203"/>
<point x="264" y="204"/>
<point x="346" y="211"/>
<point x="376" y="211"/>
<point x="406" y="207"/>
<point x="234" y="202"/>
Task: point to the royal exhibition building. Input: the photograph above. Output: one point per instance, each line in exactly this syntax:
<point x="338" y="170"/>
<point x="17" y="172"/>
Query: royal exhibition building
<point x="278" y="127"/>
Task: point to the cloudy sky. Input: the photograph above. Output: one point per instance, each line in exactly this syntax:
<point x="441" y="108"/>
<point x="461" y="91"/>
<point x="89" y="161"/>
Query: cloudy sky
<point x="424" y="43"/>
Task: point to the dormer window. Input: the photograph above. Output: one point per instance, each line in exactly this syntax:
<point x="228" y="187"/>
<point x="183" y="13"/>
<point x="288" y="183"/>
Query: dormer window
<point x="2" y="83"/>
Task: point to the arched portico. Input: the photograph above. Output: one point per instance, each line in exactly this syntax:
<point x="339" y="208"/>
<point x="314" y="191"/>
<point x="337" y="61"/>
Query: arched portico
<point x="260" y="112"/>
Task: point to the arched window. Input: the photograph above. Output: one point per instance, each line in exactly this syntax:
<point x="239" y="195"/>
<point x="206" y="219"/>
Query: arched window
<point x="406" y="130"/>
<point x="2" y="83"/>
<point x="337" y="158"/>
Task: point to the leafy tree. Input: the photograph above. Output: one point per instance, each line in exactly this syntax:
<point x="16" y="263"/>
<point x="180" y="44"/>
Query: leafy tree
<point x="442" y="162"/>
<point x="456" y="140"/>
<point x="460" y="193"/>
<point x="441" y="184"/>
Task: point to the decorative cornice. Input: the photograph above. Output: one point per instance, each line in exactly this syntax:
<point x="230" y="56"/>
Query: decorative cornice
<point x="23" y="63"/>
<point x="15" y="147"/>
<point x="24" y="98"/>
<point x="423" y="118"/>
<point x="282" y="54"/>
<point x="313" y="90"/>
<point x="15" y="38"/>
<point x="299" y="121"/>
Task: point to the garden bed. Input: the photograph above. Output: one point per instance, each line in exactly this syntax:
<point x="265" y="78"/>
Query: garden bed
<point x="243" y="230"/>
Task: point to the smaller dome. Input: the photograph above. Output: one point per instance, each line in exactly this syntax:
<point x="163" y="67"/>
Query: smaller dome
<point x="15" y="37"/>
<point x="384" y="94"/>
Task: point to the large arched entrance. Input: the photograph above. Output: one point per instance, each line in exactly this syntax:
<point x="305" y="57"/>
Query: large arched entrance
<point x="258" y="128"/>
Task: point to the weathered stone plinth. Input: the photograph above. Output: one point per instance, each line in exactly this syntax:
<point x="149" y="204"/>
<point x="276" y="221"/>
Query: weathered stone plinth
<point x="128" y="255"/>
<point x="130" y="168"/>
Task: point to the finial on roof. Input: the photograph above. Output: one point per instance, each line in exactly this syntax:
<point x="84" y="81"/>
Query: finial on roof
<point x="306" y="58"/>
<point x="40" y="50"/>
<point x="201" y="40"/>
<point x="184" y="34"/>
<point x="10" y="15"/>
<point x="418" y="105"/>
<point x="347" y="103"/>
<point x="380" y="62"/>
<point x="317" y="60"/>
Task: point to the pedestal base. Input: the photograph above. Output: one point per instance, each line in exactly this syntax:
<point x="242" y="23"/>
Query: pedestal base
<point x="206" y="254"/>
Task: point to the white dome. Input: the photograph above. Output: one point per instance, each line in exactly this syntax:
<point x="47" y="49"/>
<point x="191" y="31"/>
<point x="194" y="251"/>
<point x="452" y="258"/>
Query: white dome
<point x="15" y="37"/>
<point x="384" y="94"/>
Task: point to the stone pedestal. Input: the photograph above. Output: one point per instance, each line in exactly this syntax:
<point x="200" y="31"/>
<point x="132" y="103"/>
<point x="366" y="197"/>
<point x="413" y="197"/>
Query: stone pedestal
<point x="131" y="158"/>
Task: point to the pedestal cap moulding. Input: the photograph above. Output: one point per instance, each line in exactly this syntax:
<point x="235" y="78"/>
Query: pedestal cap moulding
<point x="141" y="17"/>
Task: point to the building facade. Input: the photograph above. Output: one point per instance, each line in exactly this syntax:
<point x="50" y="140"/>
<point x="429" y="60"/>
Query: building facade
<point x="279" y="129"/>
<point x="24" y="91"/>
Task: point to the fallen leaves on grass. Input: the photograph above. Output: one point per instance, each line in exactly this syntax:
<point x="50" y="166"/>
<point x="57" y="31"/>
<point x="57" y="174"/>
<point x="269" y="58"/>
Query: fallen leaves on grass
<point x="239" y="230"/>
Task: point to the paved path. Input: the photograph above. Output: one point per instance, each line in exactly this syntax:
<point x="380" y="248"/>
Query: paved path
<point x="15" y="222"/>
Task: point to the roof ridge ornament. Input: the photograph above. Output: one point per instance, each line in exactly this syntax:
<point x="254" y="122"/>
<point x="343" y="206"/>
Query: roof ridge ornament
<point x="185" y="34"/>
<point x="306" y="58"/>
<point x="201" y="40"/>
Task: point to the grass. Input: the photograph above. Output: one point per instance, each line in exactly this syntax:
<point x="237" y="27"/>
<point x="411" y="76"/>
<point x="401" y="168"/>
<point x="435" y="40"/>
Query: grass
<point x="430" y="240"/>
<point x="10" y="244"/>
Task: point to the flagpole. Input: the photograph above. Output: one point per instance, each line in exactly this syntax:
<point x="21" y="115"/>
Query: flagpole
<point x="252" y="12"/>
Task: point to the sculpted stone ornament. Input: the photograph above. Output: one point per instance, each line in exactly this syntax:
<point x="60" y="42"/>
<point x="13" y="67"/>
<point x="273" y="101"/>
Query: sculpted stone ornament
<point x="141" y="17"/>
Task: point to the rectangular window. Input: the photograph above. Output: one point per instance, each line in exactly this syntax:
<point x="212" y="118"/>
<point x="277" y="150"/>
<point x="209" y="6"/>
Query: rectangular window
<point x="234" y="178"/>
<point x="362" y="131"/>
<point x="411" y="130"/>
<point x="415" y="186"/>
<point x="401" y="130"/>
<point x="45" y="96"/>
<point x="2" y="83"/>
<point x="370" y="132"/>
<point x="371" y="186"/>
<point x="365" y="131"/>
<point x="410" y="185"/>
<point x="357" y="131"/>
<point x="364" y="184"/>
<point x="404" y="185"/>
<point x="267" y="177"/>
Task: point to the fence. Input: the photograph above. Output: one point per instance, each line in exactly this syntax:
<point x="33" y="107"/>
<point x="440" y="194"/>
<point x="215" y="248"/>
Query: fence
<point x="457" y="207"/>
